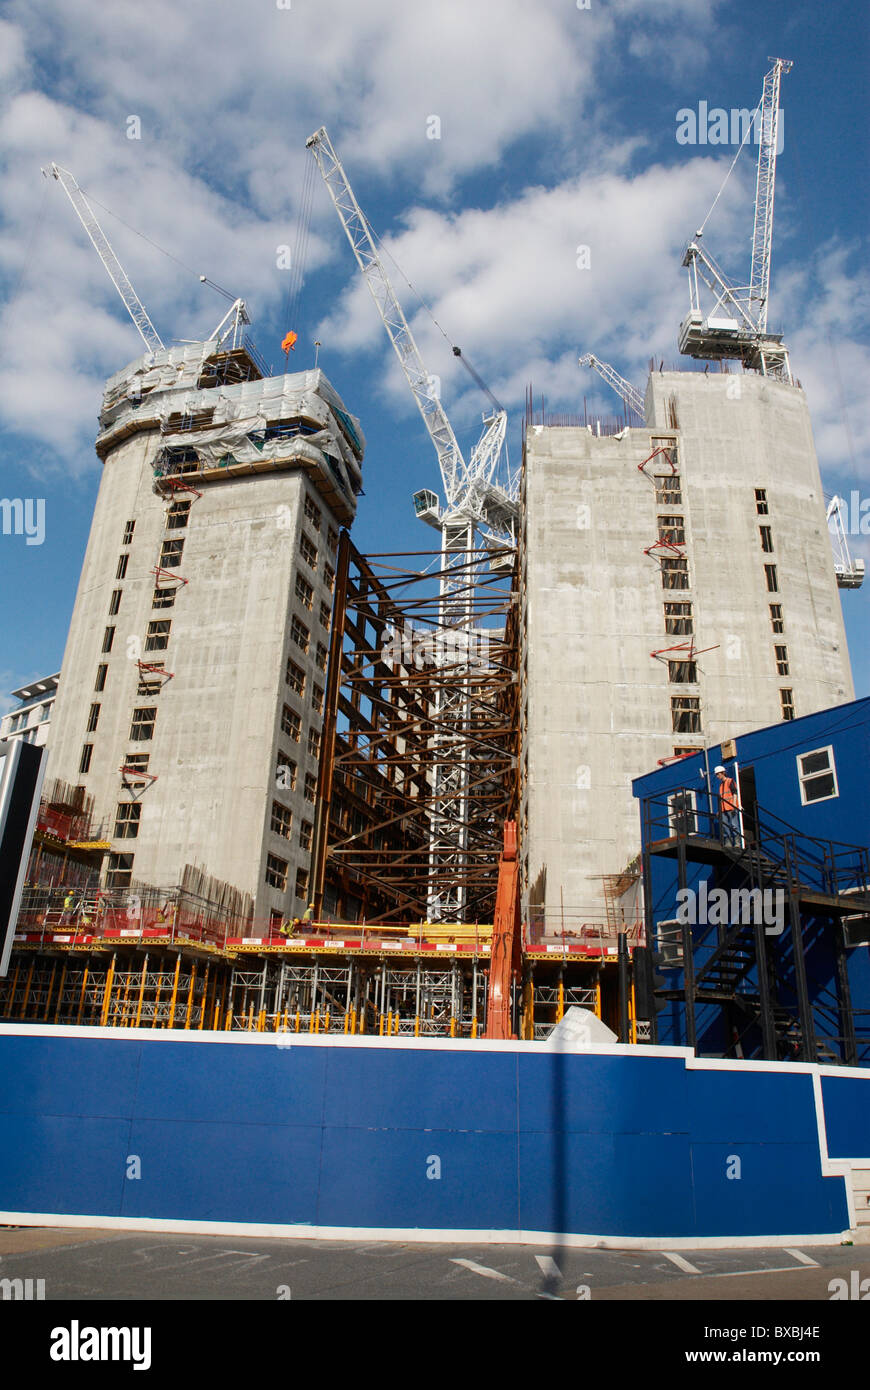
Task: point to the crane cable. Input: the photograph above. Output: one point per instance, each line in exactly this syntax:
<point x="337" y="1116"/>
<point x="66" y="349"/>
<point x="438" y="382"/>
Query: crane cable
<point x="749" y="127"/>
<point x="91" y="199"/>
<point x="299" y="250"/>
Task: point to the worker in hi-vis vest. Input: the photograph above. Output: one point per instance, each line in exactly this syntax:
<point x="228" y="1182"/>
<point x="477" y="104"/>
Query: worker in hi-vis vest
<point x="288" y="928"/>
<point x="729" y="807"/>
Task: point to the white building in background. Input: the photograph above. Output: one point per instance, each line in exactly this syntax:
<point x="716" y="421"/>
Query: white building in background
<point x="194" y="675"/>
<point x="32" y="717"/>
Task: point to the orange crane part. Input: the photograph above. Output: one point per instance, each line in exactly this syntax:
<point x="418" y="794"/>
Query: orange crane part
<point x="505" y="957"/>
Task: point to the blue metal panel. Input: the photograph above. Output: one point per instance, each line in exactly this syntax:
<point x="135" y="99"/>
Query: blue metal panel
<point x="46" y="1075"/>
<point x="224" y="1172"/>
<point x="780" y="1189"/>
<point x="606" y="1184"/>
<point x="611" y="1095"/>
<point x="751" y="1107"/>
<point x="377" y="1177"/>
<point x="846" y="1103"/>
<point x="62" y="1162"/>
<point x="344" y="1136"/>
<point x="243" y="1084"/>
<point x="442" y="1089"/>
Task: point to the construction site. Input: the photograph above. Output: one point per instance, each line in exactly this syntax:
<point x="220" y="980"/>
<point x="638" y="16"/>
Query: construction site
<point x="294" y="788"/>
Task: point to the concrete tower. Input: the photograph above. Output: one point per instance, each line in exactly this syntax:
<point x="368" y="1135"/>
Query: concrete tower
<point x="678" y="589"/>
<point x="192" y="684"/>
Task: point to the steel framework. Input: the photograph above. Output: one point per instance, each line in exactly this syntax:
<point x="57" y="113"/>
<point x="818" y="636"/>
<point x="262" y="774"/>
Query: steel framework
<point x="419" y="765"/>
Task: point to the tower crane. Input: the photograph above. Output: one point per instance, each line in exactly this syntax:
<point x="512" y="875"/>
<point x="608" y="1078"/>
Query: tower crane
<point x="629" y="394"/>
<point x="479" y="514"/>
<point x="86" y="215"/>
<point x="736" y="327"/>
<point x="230" y="325"/>
<point x="471" y="493"/>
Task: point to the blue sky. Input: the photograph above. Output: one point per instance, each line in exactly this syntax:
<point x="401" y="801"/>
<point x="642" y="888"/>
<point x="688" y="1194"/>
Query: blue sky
<point x="558" y="129"/>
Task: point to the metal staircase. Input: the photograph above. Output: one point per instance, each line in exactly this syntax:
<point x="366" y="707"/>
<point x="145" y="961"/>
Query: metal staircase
<point x="778" y="981"/>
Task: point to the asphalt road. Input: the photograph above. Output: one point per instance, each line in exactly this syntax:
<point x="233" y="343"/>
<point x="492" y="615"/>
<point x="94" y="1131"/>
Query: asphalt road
<point x="131" y="1265"/>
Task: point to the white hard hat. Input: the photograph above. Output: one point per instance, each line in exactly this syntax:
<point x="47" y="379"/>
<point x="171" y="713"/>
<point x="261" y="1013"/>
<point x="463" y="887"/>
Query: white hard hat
<point x="720" y="768"/>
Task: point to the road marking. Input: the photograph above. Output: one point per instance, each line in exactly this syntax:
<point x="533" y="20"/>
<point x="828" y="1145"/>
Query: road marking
<point x="680" y="1262"/>
<point x="776" y="1269"/>
<point x="802" y="1258"/>
<point x="553" y="1297"/>
<point x="548" y="1266"/>
<point x="484" y="1270"/>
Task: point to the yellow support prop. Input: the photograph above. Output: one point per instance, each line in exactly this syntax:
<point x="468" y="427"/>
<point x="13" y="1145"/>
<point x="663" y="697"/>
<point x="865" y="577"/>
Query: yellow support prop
<point x="50" y="990"/>
<point x="27" y="989"/>
<point x="205" y="988"/>
<point x="141" y="991"/>
<point x="60" y="992"/>
<point x="170" y="1022"/>
<point x="190" y="995"/>
<point x="107" y="993"/>
<point x="82" y="996"/>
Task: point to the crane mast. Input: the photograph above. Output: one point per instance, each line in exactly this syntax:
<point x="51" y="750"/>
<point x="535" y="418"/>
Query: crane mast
<point x="762" y="231"/>
<point x="85" y="213"/>
<point x="473" y="499"/>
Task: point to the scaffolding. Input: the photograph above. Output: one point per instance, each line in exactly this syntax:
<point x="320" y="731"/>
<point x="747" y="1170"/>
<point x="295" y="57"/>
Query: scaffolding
<point x="391" y="729"/>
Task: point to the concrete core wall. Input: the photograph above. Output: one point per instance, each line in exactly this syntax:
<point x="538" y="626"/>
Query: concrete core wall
<point x="596" y="705"/>
<point x="227" y="716"/>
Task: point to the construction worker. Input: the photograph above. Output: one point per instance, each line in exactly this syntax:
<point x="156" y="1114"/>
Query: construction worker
<point x="729" y="807"/>
<point x="289" y="928"/>
<point x="308" y="913"/>
<point x="68" y="905"/>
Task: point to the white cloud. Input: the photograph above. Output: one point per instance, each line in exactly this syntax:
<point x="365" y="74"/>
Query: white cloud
<point x="506" y="281"/>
